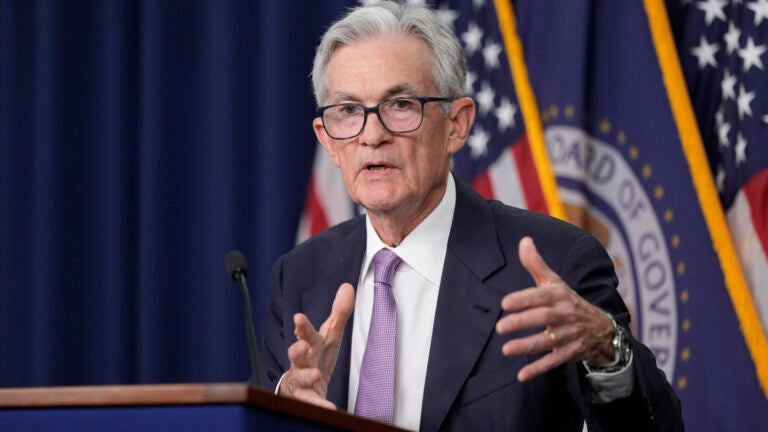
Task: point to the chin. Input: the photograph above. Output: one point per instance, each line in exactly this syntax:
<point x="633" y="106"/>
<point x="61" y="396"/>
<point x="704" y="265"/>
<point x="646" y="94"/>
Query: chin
<point x="378" y="205"/>
<point x="379" y="198"/>
<point x="381" y="202"/>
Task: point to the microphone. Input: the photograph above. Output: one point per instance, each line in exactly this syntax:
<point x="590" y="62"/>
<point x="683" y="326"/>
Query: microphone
<point x="237" y="268"/>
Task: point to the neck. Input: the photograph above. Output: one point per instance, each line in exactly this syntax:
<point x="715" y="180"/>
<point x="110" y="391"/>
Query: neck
<point x="393" y="226"/>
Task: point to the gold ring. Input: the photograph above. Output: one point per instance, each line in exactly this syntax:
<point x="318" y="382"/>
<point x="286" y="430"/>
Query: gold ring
<point x="551" y="335"/>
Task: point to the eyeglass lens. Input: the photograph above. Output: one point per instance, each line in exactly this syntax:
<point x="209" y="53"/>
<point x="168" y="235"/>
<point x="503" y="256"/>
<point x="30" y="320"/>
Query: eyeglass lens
<point x="398" y="115"/>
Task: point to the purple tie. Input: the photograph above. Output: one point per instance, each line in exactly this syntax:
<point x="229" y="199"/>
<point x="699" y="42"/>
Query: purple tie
<point x="376" y="391"/>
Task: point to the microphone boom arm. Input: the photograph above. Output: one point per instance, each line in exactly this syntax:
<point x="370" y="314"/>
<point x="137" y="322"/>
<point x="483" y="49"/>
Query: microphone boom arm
<point x="255" y="379"/>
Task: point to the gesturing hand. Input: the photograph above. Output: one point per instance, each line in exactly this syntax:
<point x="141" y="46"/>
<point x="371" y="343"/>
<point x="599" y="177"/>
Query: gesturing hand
<point x="575" y="330"/>
<point x="313" y="355"/>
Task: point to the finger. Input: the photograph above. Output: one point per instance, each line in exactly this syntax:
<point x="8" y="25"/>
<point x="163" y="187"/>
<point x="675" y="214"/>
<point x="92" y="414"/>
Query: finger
<point x="534" y="344"/>
<point x="298" y="378"/>
<point x="545" y="340"/>
<point x="304" y="378"/>
<point x="548" y="362"/>
<point x="529" y="298"/>
<point x="304" y="330"/>
<point x="298" y="354"/>
<point x="342" y="308"/>
<point x="530" y="318"/>
<point x="312" y="397"/>
<point x="534" y="263"/>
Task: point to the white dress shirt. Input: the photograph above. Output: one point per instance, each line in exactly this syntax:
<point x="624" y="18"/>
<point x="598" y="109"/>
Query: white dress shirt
<point x="415" y="288"/>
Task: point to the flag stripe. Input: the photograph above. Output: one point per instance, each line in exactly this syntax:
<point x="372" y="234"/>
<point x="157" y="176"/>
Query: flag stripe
<point x="317" y="220"/>
<point x="710" y="204"/>
<point x="751" y="249"/>
<point x="327" y="203"/>
<point x="482" y="184"/>
<point x="755" y="191"/>
<point x="534" y="196"/>
<point x="529" y="108"/>
<point x="506" y="180"/>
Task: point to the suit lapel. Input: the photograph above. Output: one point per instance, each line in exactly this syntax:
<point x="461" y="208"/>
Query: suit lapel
<point x="341" y="265"/>
<point x="467" y="309"/>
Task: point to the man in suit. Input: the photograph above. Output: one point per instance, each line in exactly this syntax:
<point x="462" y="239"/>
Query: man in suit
<point x="505" y="319"/>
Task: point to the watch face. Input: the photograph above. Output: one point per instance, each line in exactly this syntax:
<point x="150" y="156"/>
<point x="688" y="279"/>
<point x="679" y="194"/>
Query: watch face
<point x="623" y="348"/>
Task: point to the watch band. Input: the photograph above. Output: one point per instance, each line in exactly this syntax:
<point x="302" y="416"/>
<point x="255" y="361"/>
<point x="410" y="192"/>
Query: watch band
<point x="622" y="351"/>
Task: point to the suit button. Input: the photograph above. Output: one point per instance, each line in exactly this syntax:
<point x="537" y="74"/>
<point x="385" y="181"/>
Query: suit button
<point x="651" y="411"/>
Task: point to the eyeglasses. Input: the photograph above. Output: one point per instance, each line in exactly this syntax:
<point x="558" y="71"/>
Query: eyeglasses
<point x="398" y="115"/>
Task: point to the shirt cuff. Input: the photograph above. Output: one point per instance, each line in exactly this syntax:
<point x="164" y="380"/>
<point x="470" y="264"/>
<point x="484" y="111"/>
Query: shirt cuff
<point x="608" y="387"/>
<point x="277" y="387"/>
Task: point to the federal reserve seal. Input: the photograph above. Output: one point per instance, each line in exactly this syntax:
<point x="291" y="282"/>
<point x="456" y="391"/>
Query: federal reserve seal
<point x="603" y="194"/>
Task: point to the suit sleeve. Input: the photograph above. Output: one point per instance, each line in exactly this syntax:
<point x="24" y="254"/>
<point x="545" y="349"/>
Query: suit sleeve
<point x="653" y="405"/>
<point x="274" y="356"/>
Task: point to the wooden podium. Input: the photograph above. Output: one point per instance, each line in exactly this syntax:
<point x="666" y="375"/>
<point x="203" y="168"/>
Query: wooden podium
<point x="168" y="408"/>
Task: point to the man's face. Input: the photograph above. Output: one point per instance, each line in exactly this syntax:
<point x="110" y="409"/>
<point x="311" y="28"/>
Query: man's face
<point x="401" y="175"/>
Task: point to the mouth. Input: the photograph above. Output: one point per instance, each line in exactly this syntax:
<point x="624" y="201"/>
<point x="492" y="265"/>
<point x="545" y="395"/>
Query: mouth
<point x="377" y="167"/>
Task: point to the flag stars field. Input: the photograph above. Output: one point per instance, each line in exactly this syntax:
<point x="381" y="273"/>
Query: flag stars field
<point x="705" y="53"/>
<point x="505" y="114"/>
<point x="760" y="8"/>
<point x="732" y="38"/>
<point x="750" y="55"/>
<point x="713" y="10"/>
<point x="491" y="55"/>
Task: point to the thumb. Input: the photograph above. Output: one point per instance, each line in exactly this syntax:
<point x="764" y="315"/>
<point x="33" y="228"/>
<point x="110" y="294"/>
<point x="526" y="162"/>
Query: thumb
<point x="534" y="263"/>
<point x="342" y="308"/>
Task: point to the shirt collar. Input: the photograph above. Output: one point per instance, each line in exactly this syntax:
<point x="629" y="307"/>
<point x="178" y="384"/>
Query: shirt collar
<point x="425" y="247"/>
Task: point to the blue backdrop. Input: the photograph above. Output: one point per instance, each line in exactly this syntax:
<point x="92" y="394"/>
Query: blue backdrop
<point x="139" y="142"/>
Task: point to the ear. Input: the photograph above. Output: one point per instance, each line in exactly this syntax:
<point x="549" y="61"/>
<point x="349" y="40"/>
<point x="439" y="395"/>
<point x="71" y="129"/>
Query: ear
<point x="462" y="117"/>
<point x="327" y="142"/>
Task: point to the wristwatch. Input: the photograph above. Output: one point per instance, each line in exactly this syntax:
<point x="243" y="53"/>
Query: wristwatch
<point x="621" y="350"/>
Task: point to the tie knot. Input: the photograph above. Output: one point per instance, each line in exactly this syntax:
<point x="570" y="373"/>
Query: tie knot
<point x="385" y="264"/>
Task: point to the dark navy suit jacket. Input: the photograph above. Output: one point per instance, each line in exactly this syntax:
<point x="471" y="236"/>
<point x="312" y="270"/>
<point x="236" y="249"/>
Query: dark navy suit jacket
<point x="470" y="385"/>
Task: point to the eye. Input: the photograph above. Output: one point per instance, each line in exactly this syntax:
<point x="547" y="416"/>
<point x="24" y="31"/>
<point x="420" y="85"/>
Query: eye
<point x="348" y="109"/>
<point x="403" y="104"/>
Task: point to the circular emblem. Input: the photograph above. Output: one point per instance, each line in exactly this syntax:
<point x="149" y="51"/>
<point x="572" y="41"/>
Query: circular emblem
<point x="603" y="194"/>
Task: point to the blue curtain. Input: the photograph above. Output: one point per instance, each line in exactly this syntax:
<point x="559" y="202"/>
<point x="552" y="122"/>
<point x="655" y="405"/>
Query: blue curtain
<point x="139" y="142"/>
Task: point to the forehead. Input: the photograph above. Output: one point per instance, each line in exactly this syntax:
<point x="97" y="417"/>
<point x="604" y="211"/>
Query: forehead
<point x="375" y="67"/>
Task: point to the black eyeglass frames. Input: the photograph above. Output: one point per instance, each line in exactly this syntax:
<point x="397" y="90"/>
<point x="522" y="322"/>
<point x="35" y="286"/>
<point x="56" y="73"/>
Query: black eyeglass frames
<point x="398" y="115"/>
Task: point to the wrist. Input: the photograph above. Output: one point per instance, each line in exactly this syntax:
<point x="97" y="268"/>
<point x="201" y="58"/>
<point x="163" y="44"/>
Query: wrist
<point x="285" y="386"/>
<point x="622" y="351"/>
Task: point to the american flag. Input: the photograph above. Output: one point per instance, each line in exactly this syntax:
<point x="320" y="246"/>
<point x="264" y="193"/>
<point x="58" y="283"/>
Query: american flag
<point x="723" y="48"/>
<point x="497" y="159"/>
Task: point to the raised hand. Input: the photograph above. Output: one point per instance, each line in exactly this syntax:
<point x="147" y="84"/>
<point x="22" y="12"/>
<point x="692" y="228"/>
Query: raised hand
<point x="574" y="329"/>
<point x="313" y="355"/>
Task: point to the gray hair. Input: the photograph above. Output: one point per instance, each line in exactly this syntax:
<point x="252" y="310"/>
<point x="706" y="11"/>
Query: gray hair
<point x="449" y="66"/>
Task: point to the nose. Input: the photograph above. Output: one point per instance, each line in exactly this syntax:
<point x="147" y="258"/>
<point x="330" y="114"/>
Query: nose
<point x="374" y="133"/>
